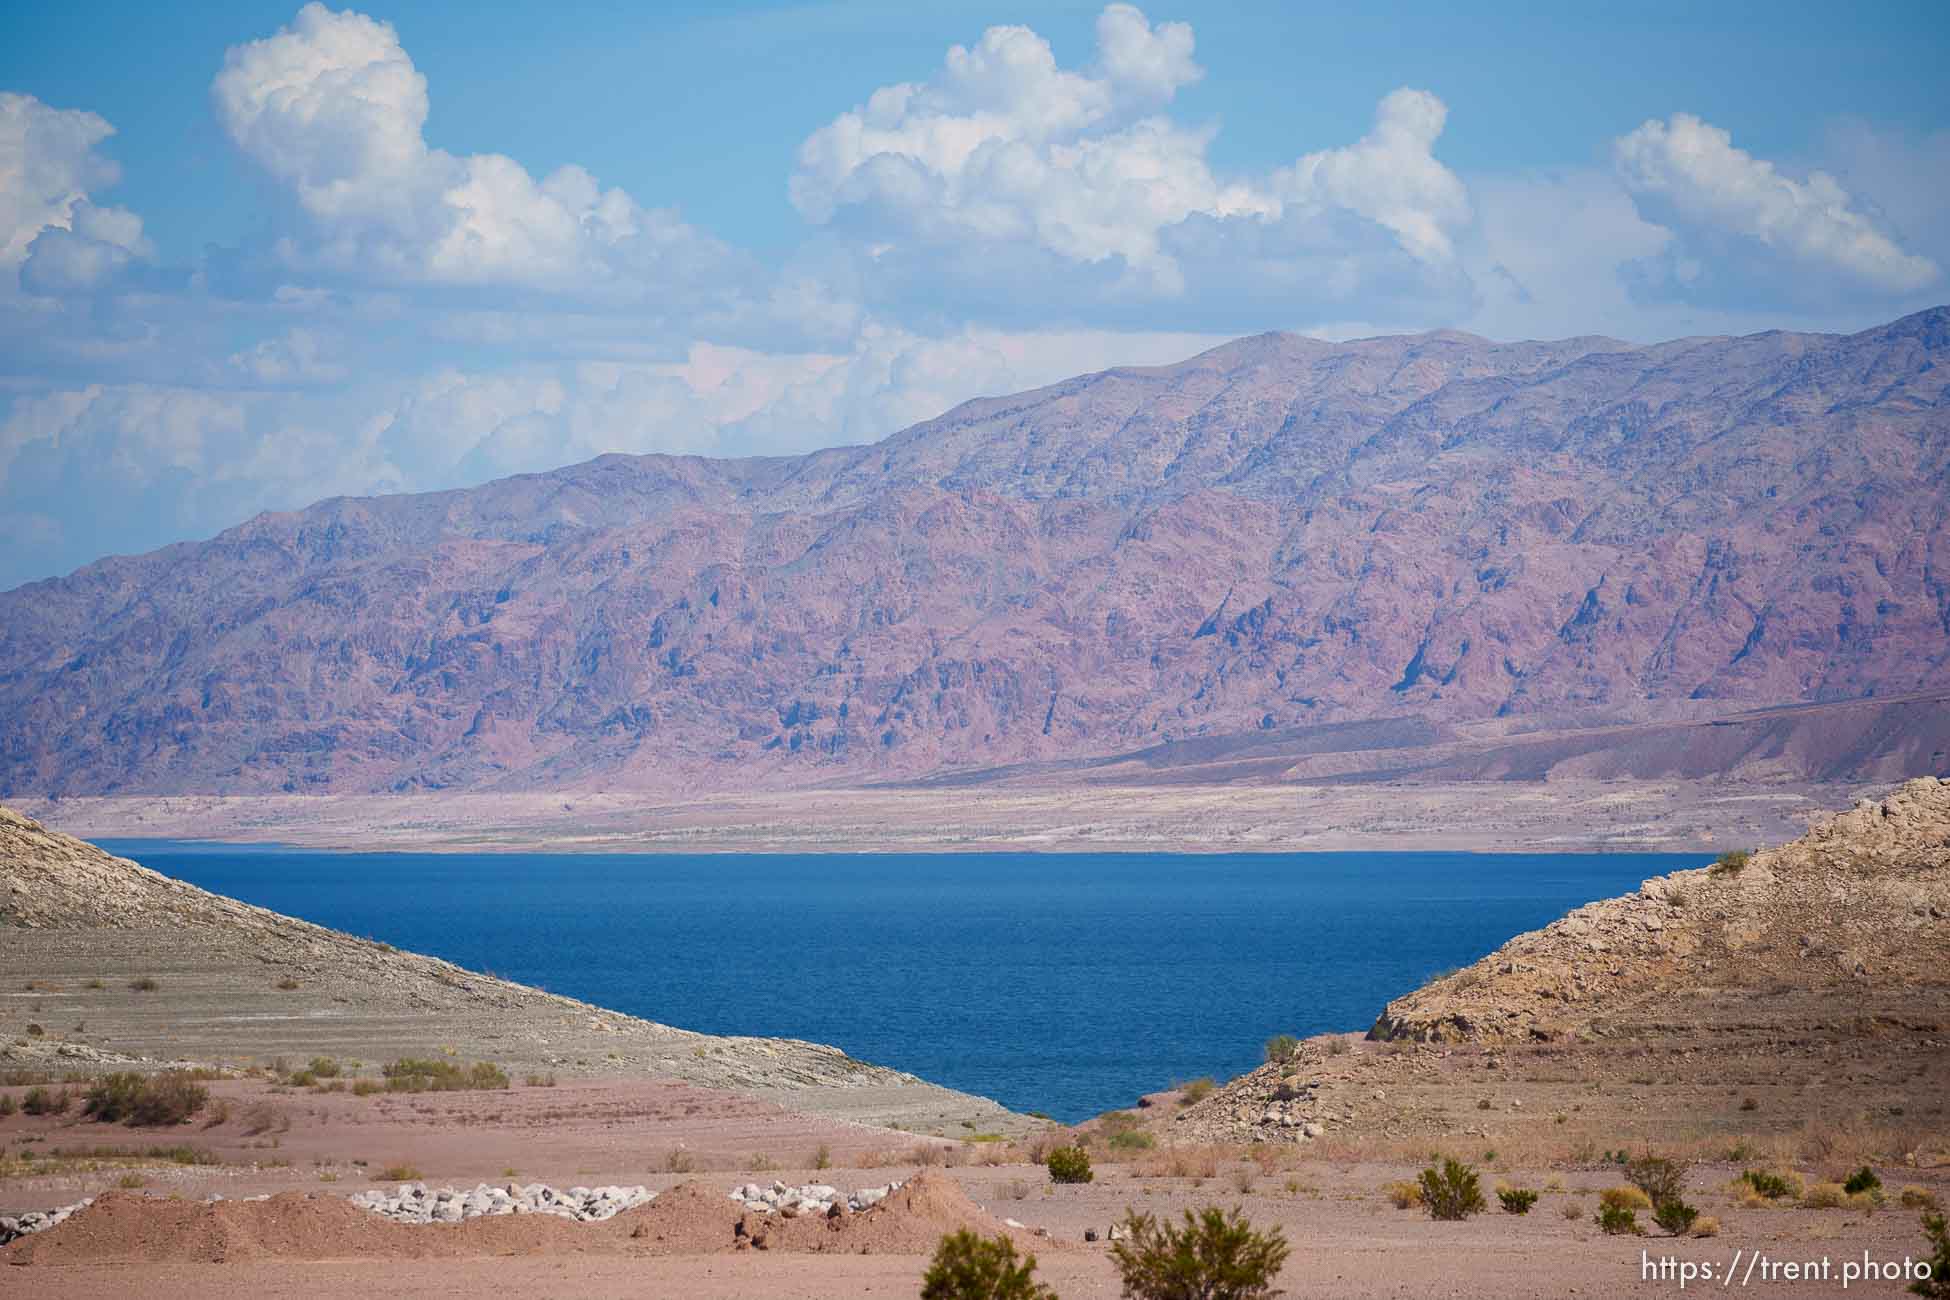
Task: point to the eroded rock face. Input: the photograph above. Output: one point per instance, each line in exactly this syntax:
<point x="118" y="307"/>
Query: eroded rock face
<point x="1860" y="904"/>
<point x="1279" y="533"/>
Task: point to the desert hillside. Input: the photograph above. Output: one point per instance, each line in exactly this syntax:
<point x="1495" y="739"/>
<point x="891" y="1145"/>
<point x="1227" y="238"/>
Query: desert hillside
<point x="1276" y="536"/>
<point x="1805" y="986"/>
<point x="236" y="985"/>
<point x="1855" y="914"/>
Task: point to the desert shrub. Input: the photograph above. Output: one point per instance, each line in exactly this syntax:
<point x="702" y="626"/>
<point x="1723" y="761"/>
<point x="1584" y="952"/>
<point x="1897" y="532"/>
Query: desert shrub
<point x="1674" y="1215"/>
<point x="410" y="1075"/>
<point x="144" y="984"/>
<point x="8" y="1106"/>
<point x="1862" y="1180"/>
<point x="1516" y="1200"/>
<point x="679" y="1161"/>
<point x="1730" y="863"/>
<point x="1771" y="1186"/>
<point x="971" y="1267"/>
<point x="1824" y="1196"/>
<point x="1403" y="1195"/>
<point x="1659" y="1178"/>
<point x="1214" y="1256"/>
<point x="1937" y="1284"/>
<point x="1707" y="1226"/>
<point x="1195" y="1091"/>
<point x="287" y="984"/>
<point x="823" y="1158"/>
<point x="1624" y="1198"/>
<point x="324" y="1067"/>
<point x="1619" y="1221"/>
<point x="1131" y="1139"/>
<point x="1451" y="1192"/>
<point x="1573" y="1210"/>
<point x="1916" y="1197"/>
<point x="1069" y="1165"/>
<point x="399" y="1174"/>
<point x="43" y="1101"/>
<point x="366" y="1087"/>
<point x="1281" y="1047"/>
<point x="540" y="1081"/>
<point x="131" y="1098"/>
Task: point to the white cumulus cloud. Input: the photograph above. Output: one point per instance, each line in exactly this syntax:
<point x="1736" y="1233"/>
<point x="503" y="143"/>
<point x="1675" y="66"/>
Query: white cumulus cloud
<point x="1694" y="168"/>
<point x="1390" y="176"/>
<point x="1005" y="147"/>
<point x="58" y="239"/>
<point x="333" y="108"/>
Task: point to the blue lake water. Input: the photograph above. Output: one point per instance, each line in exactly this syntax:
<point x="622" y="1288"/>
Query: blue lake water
<point x="1065" y="983"/>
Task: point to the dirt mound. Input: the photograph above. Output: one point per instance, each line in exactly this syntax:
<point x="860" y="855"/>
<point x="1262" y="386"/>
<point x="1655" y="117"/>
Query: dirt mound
<point x="695" y="1219"/>
<point x="690" y="1219"/>
<point x="1856" y="912"/>
<point x="135" y="1226"/>
<point x="911" y="1221"/>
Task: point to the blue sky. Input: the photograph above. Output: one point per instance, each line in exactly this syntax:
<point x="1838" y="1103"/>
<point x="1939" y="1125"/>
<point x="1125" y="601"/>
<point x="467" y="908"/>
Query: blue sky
<point x="251" y="255"/>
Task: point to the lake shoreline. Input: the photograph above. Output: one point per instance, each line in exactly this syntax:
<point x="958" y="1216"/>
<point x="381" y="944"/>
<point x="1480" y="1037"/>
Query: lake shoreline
<point x="1494" y="816"/>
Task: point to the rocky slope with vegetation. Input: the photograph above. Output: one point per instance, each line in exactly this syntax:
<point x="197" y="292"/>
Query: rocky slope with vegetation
<point x="1856" y="914"/>
<point x="1278" y="535"/>
<point x="1803" y="988"/>
<point x="159" y="970"/>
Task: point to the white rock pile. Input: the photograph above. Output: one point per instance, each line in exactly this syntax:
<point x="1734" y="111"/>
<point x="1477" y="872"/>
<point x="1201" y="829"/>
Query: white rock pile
<point x="38" y="1220"/>
<point x="416" y="1203"/>
<point x="806" y="1200"/>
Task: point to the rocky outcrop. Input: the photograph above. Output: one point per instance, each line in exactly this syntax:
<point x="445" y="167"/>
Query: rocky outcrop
<point x="1861" y="902"/>
<point x="1279" y="534"/>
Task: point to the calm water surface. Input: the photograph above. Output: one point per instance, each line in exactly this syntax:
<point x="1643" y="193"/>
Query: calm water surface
<point x="1066" y="983"/>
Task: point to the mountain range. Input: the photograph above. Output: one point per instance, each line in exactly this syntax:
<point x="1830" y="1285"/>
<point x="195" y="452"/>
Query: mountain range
<point x="1279" y="538"/>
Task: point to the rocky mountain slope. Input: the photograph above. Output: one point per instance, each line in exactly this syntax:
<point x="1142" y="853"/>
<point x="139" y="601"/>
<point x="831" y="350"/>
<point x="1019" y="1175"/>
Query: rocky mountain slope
<point x="1807" y="986"/>
<point x="1276" y="535"/>
<point x="1855" y="912"/>
<point x="236" y="982"/>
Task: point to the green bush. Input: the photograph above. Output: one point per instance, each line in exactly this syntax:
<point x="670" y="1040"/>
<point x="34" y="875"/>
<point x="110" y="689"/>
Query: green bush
<point x="40" y="1101"/>
<point x="1937" y="1285"/>
<point x="1516" y="1200"/>
<point x="1195" y="1091"/>
<point x="970" y="1267"/>
<point x="410" y="1075"/>
<point x="1619" y="1221"/>
<point x="145" y="1100"/>
<point x="1215" y="1256"/>
<point x="1451" y="1192"/>
<point x="1730" y="863"/>
<point x="1771" y="1186"/>
<point x="1281" y="1047"/>
<point x="323" y="1067"/>
<point x="1674" y="1215"/>
<point x="1862" y="1180"/>
<point x="1069" y="1165"/>
<point x="1659" y="1178"/>
<point x="1131" y="1139"/>
<point x="7" y="1104"/>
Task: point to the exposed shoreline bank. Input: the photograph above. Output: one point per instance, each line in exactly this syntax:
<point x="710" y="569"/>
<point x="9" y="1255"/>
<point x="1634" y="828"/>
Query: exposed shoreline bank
<point x="1494" y="816"/>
